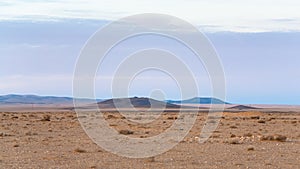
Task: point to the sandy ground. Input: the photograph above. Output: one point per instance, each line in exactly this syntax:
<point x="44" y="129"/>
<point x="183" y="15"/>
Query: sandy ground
<point x="242" y="140"/>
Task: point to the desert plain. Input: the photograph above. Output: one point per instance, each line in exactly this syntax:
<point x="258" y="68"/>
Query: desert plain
<point x="245" y="138"/>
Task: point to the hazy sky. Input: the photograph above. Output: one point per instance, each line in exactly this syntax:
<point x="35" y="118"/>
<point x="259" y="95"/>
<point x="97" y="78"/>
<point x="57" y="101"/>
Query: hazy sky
<point x="258" y="43"/>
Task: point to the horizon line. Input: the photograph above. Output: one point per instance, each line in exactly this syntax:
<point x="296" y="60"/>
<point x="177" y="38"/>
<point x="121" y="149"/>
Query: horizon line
<point x="107" y="98"/>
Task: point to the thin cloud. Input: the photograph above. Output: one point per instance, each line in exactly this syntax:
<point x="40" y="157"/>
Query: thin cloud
<point x="234" y="15"/>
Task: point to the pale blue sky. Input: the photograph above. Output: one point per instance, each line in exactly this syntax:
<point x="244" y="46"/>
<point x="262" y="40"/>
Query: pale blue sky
<point x="258" y="44"/>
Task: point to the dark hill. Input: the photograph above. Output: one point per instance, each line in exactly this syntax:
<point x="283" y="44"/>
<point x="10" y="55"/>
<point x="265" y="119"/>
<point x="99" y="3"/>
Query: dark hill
<point x="242" y="107"/>
<point x="136" y="102"/>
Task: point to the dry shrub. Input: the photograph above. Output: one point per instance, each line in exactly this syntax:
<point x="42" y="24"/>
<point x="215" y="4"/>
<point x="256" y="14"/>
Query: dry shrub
<point x="172" y="118"/>
<point x="248" y="135"/>
<point x="212" y="121"/>
<point x="4" y="134"/>
<point x="46" y="117"/>
<point x="78" y="150"/>
<point x="279" y="138"/>
<point x="255" y="117"/>
<point x="234" y="141"/>
<point x="31" y="133"/>
<point x="151" y="159"/>
<point x="126" y="132"/>
<point x="14" y="117"/>
<point x="111" y="116"/>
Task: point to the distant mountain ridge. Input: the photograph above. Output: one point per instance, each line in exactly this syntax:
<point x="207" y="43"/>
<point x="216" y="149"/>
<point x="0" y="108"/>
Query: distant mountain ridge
<point x="35" y="99"/>
<point x="135" y="101"/>
<point x="198" y="100"/>
<point x="32" y="99"/>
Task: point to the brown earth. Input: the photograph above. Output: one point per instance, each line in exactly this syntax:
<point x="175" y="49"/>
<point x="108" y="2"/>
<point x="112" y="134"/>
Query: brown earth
<point x="242" y="140"/>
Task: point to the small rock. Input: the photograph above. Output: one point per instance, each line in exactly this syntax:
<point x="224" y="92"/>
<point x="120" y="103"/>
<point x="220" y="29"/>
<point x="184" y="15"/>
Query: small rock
<point x="261" y="121"/>
<point x="250" y="148"/>
<point x="235" y="141"/>
<point x="232" y="135"/>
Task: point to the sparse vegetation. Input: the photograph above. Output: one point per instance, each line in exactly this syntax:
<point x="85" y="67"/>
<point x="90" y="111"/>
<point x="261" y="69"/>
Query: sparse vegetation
<point x="249" y="141"/>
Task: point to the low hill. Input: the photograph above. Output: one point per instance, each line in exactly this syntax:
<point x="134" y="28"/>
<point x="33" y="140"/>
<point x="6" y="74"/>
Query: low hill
<point x="199" y="100"/>
<point x="242" y="107"/>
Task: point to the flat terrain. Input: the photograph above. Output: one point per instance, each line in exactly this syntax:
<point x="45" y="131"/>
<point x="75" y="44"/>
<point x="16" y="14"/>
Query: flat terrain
<point x="244" y="139"/>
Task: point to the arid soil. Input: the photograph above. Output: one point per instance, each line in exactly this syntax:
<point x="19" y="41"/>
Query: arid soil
<point x="242" y="140"/>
